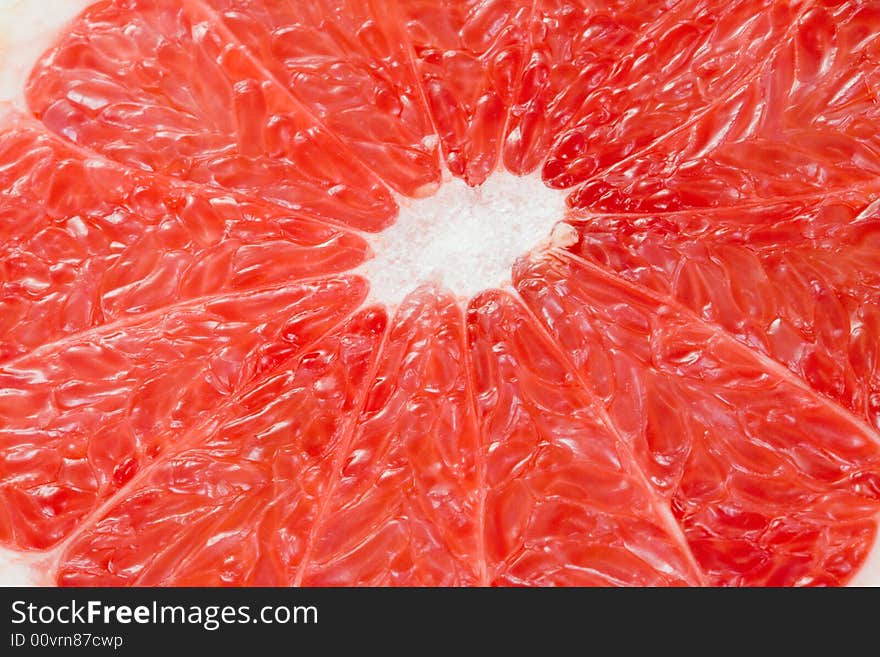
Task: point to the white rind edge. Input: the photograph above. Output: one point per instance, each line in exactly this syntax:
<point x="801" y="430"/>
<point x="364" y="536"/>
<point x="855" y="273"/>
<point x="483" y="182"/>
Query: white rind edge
<point x="27" y="29"/>
<point x="869" y="573"/>
<point x="26" y="568"/>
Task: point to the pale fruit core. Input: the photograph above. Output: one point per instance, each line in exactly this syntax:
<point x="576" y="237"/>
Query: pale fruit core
<point x="463" y="238"/>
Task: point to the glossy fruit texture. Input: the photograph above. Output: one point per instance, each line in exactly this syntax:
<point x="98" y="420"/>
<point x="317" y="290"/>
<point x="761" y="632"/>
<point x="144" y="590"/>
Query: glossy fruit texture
<point x="194" y="392"/>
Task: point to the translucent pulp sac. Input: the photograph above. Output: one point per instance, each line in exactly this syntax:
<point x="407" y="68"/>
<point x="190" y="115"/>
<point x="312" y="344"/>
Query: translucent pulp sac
<point x="464" y="238"/>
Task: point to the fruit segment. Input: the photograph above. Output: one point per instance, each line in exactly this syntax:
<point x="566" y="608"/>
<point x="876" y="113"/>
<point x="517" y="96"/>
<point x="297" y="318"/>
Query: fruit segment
<point x="698" y="54"/>
<point x="773" y="484"/>
<point x="156" y="86"/>
<point x="469" y="55"/>
<point x="806" y="124"/>
<point x="82" y="416"/>
<point x="309" y="478"/>
<point x="232" y="503"/>
<point x="84" y="242"/>
<point x="346" y="61"/>
<point x="574" y="47"/>
<point x="406" y="507"/>
<point x="797" y="281"/>
<point x="565" y="502"/>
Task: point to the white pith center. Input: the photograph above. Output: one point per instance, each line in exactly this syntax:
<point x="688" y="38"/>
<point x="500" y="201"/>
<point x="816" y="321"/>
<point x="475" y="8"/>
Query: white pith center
<point x="463" y="238"/>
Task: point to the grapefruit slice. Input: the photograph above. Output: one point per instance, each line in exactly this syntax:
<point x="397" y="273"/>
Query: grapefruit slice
<point x="676" y="385"/>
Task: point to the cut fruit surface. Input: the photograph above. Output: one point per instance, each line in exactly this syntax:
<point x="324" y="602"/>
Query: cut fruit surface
<point x="443" y="238"/>
<point x="114" y="84"/>
<point x="469" y="56"/>
<point x="234" y="500"/>
<point x="685" y="63"/>
<point x="714" y="429"/>
<point x="347" y="62"/>
<point x="84" y="242"/>
<point x="91" y="410"/>
<point x="794" y="280"/>
<point x="573" y="48"/>
<point x="565" y="501"/>
<point x="802" y="122"/>
<point x="650" y="361"/>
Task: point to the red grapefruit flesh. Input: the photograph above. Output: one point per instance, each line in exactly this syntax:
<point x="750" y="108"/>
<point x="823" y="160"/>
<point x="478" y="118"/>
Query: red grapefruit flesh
<point x="573" y="49"/>
<point x="795" y="281"/>
<point x="346" y="61"/>
<point x="565" y="501"/>
<point x="237" y="499"/>
<point x="729" y="439"/>
<point x="81" y="416"/>
<point x="687" y="61"/>
<point x="469" y="57"/>
<point x="159" y="86"/>
<point x="802" y="122"/>
<point x="678" y="388"/>
<point x="85" y="242"/>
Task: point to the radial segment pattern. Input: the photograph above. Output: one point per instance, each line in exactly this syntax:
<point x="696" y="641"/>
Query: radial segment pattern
<point x="679" y="386"/>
